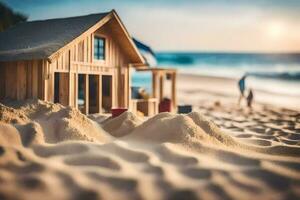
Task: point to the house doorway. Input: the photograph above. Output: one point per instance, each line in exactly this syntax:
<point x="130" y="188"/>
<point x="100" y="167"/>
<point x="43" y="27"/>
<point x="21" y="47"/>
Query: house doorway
<point x="81" y="92"/>
<point x="94" y="94"/>
<point x="61" y="88"/>
<point x="107" y="93"/>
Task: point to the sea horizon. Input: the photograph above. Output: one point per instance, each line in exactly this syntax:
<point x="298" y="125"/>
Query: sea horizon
<point x="269" y="72"/>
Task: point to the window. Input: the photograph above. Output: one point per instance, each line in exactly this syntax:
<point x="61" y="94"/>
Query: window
<point x="99" y="48"/>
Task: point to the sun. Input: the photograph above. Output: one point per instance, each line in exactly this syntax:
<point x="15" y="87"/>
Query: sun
<point x="275" y="30"/>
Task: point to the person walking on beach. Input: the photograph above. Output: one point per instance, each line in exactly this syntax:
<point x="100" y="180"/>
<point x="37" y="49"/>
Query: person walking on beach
<point x="250" y="98"/>
<point x="242" y="87"/>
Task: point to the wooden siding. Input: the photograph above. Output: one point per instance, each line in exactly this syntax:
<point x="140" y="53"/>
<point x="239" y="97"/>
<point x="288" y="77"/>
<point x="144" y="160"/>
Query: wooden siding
<point x="2" y="82"/>
<point x="21" y="80"/>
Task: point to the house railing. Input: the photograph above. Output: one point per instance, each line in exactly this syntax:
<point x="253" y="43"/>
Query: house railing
<point x="91" y="68"/>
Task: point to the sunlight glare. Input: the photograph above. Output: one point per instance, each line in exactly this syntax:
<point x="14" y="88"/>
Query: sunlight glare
<point x="275" y="30"/>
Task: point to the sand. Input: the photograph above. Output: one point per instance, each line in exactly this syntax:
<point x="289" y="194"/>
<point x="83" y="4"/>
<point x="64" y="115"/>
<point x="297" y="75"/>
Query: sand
<point x="219" y="151"/>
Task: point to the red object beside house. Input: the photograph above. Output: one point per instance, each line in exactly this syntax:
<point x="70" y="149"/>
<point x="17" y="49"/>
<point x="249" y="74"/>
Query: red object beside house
<point x="165" y="106"/>
<point x="115" y="112"/>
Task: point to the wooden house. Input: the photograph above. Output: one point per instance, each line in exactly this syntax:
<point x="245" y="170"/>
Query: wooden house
<point x="82" y="61"/>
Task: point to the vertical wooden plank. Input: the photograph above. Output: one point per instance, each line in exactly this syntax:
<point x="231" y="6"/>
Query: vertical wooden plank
<point x="111" y="51"/>
<point x="62" y="61"/>
<point x="64" y="88"/>
<point x="40" y="67"/>
<point x="35" y="79"/>
<point x="58" y="63"/>
<point x="88" y="48"/>
<point x="92" y="48"/>
<point x="21" y="80"/>
<point x="84" y="50"/>
<point x="44" y="81"/>
<point x="2" y="80"/>
<point x="28" y="75"/>
<point x="86" y="94"/>
<point x="75" y="51"/>
<point x="47" y="81"/>
<point x="50" y="79"/>
<point x="81" y="51"/>
<point x="11" y="80"/>
<point x="67" y="58"/>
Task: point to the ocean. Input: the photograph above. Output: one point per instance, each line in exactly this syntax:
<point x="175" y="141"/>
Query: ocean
<point x="272" y="73"/>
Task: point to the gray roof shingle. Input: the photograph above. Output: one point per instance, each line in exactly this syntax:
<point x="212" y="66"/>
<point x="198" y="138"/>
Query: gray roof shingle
<point x="40" y="39"/>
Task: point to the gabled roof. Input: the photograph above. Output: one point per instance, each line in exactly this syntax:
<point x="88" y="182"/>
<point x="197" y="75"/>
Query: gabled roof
<point x="42" y="39"/>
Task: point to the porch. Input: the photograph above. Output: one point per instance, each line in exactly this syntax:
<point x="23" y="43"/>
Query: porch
<point x="157" y="102"/>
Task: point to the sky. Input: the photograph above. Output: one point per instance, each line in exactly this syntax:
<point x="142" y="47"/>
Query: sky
<point x="190" y="25"/>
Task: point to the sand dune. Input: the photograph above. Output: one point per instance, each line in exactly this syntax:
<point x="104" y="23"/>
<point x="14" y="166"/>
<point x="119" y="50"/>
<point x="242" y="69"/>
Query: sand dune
<point x="48" y="151"/>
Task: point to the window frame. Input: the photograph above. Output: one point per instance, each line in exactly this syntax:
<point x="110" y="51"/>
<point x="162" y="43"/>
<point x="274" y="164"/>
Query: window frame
<point x="97" y="48"/>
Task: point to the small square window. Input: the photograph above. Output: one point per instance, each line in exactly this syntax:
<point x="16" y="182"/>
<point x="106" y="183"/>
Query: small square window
<point x="99" y="48"/>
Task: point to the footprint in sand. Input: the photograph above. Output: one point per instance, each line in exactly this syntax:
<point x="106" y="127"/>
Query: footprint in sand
<point x="257" y="142"/>
<point x="166" y="155"/>
<point x="31" y="182"/>
<point x="124" y="153"/>
<point x="76" y="191"/>
<point x="151" y="169"/>
<point x="197" y="173"/>
<point x="273" y="180"/>
<point x="120" y="183"/>
<point x="60" y="149"/>
<point x="92" y="160"/>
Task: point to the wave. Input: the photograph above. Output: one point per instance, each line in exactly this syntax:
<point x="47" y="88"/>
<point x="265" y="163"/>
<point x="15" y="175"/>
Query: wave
<point x="233" y="59"/>
<point x="277" y="75"/>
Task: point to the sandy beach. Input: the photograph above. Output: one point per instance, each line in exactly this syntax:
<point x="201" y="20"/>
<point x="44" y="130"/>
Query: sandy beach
<point x="219" y="151"/>
<point x="211" y="88"/>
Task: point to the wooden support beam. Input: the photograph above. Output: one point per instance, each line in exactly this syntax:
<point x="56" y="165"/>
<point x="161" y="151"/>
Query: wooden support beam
<point x="45" y="81"/>
<point x="155" y="85"/>
<point x="113" y="91"/>
<point x="120" y="87"/>
<point x="86" y="94"/>
<point x="70" y="91"/>
<point x="99" y="94"/>
<point x="76" y="90"/>
<point x="128" y="87"/>
<point x="173" y="92"/>
<point x="161" y="86"/>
